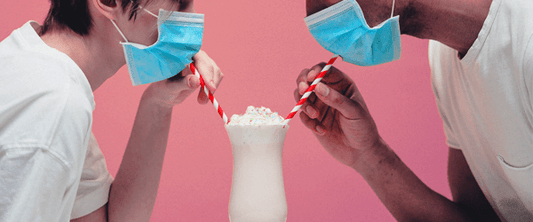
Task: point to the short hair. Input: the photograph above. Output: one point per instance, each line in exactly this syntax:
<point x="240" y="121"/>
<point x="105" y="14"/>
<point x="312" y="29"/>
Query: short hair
<point x="75" y="15"/>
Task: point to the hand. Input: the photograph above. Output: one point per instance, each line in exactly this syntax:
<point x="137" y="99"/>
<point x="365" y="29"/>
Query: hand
<point x="174" y="90"/>
<point x="210" y="72"/>
<point x="170" y="92"/>
<point x="314" y="6"/>
<point x="337" y="115"/>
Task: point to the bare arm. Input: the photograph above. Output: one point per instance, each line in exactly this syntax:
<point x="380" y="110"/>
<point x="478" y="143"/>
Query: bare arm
<point x="134" y="190"/>
<point x="132" y="195"/>
<point x="402" y="192"/>
<point x="339" y="118"/>
<point x="465" y="189"/>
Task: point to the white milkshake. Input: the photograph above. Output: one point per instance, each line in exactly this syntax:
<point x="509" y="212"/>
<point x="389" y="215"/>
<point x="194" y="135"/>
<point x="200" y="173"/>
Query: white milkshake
<point x="257" y="190"/>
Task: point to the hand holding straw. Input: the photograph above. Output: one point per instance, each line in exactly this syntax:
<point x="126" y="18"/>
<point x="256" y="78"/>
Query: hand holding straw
<point x="310" y="89"/>
<point x="209" y="94"/>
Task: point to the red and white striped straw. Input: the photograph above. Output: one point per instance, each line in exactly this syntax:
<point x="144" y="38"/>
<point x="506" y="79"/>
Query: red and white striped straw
<point x="310" y="89"/>
<point x="209" y="94"/>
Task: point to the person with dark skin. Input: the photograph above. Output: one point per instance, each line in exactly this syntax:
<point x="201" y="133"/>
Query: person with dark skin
<point x="490" y="154"/>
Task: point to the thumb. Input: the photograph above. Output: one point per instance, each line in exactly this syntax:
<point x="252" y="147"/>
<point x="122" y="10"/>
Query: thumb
<point x="193" y="81"/>
<point x="347" y="107"/>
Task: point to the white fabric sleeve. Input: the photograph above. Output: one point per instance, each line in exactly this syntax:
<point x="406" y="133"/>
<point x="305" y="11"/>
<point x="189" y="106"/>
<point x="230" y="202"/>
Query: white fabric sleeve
<point x="95" y="182"/>
<point x="33" y="182"/>
<point x="440" y="61"/>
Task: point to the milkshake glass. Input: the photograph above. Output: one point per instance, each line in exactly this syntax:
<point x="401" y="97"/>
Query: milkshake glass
<point x="257" y="189"/>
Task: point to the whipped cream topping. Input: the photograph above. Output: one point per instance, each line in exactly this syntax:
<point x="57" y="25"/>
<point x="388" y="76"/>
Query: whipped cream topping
<point x="257" y="116"/>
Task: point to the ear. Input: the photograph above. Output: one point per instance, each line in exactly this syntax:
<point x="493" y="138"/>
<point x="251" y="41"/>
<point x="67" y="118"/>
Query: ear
<point x="108" y="8"/>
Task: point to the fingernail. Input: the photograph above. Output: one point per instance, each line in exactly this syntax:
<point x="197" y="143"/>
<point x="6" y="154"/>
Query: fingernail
<point x="322" y="89"/>
<point x="302" y="87"/>
<point x="311" y="112"/>
<point x="320" y="130"/>
<point x="189" y="83"/>
<point x="192" y="83"/>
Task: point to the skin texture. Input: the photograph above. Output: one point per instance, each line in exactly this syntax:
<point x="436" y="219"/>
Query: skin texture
<point x="339" y="118"/>
<point x="133" y="192"/>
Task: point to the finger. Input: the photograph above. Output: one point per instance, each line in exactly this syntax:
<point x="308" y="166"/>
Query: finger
<point x="312" y="98"/>
<point x="309" y="106"/>
<point x="176" y="87"/>
<point x="320" y="107"/>
<point x="195" y="81"/>
<point x="337" y="79"/>
<point x="302" y="88"/>
<point x="296" y="95"/>
<point x="209" y="71"/>
<point x="176" y="77"/>
<point x="347" y="107"/>
<point x="312" y="124"/>
<point x="306" y="106"/>
<point x="202" y="97"/>
<point x="182" y="74"/>
<point x="301" y="81"/>
<point x="315" y="70"/>
<point x="192" y="81"/>
<point x="328" y="117"/>
<point x="217" y="78"/>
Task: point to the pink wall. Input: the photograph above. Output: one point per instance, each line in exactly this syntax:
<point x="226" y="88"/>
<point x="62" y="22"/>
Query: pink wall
<point x="261" y="47"/>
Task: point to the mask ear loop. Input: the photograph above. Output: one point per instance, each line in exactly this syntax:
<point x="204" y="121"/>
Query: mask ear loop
<point x="159" y="21"/>
<point x="392" y="13"/>
<point x="122" y="34"/>
<point x="118" y="29"/>
<point x="149" y="12"/>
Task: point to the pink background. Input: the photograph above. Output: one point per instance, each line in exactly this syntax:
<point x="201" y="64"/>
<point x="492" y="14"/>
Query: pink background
<point x="261" y="47"/>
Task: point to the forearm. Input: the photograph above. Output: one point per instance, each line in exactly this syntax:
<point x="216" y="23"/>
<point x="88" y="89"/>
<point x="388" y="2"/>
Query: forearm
<point x="402" y="192"/>
<point x="134" y="189"/>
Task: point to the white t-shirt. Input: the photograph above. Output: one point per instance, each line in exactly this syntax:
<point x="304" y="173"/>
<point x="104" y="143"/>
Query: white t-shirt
<point x="51" y="168"/>
<point x="485" y="101"/>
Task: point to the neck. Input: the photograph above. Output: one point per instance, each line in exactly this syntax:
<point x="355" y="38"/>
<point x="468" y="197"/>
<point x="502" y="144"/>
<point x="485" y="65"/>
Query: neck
<point x="455" y="23"/>
<point x="97" y="56"/>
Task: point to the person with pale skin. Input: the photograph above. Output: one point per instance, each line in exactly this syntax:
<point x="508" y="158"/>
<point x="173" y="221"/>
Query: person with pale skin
<point x="481" y="58"/>
<point x="51" y="168"/>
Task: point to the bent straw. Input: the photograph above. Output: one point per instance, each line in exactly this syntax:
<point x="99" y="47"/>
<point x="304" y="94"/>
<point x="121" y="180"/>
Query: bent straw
<point x="310" y="89"/>
<point x="209" y="94"/>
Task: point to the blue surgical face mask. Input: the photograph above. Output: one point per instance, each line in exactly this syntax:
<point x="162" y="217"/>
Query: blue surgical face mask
<point x="180" y="38"/>
<point x="342" y="30"/>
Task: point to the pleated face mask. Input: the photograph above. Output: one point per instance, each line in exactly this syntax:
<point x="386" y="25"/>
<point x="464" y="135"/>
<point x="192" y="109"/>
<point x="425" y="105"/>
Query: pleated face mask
<point x="342" y="30"/>
<point x="179" y="39"/>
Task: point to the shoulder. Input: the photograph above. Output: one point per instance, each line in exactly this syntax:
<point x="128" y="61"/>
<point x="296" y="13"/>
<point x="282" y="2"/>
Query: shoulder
<point x="513" y="23"/>
<point x="32" y="70"/>
<point x="28" y="63"/>
<point x="443" y="61"/>
<point x="438" y="51"/>
<point x="40" y="95"/>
